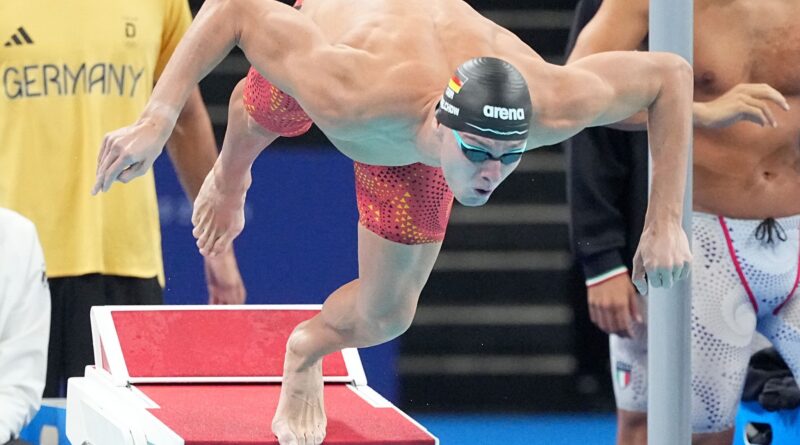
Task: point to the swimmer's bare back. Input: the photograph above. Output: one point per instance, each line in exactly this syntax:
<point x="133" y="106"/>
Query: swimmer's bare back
<point x="378" y="70"/>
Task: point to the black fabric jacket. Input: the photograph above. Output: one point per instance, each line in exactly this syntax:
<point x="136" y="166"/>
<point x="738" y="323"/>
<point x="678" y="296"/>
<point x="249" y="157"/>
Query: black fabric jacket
<point x="606" y="186"/>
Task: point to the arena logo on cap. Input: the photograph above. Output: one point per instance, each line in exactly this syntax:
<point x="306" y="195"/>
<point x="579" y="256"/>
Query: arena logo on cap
<point x="503" y="113"/>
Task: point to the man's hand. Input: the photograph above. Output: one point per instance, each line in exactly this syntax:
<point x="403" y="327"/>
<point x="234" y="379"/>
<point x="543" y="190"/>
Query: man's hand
<point x="225" y="284"/>
<point x="744" y="102"/>
<point x="614" y="306"/>
<point x="663" y="256"/>
<point x="218" y="215"/>
<point x="130" y="151"/>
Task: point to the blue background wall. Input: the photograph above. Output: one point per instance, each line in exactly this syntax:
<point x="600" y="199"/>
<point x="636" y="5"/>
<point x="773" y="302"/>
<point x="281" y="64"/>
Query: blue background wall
<point x="298" y="245"/>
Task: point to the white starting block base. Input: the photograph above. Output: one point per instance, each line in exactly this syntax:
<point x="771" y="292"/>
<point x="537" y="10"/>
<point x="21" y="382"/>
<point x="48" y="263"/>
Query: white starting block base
<point x="202" y="375"/>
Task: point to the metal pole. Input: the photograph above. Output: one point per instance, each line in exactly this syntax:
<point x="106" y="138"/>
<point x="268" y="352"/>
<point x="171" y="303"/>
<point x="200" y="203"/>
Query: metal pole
<point x="669" y="355"/>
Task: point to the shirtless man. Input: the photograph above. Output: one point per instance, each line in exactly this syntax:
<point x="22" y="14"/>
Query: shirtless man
<point x="746" y="190"/>
<point x="377" y="78"/>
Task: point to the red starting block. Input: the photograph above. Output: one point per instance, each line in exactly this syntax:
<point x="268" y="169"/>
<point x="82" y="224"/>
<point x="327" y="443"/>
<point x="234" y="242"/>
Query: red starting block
<point x="210" y="375"/>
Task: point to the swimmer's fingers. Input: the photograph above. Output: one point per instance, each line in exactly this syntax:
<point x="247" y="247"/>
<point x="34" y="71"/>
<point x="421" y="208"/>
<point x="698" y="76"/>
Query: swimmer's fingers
<point x="685" y="271"/>
<point x="116" y="165"/>
<point x="639" y="274"/>
<point x="653" y="279"/>
<point x="677" y="271"/>
<point x="108" y="157"/>
<point x="607" y="313"/>
<point x="622" y="320"/>
<point x="766" y="92"/>
<point x="666" y="277"/>
<point x="103" y="150"/>
<point x="758" y="111"/>
<point x="635" y="311"/>
<point x="132" y="172"/>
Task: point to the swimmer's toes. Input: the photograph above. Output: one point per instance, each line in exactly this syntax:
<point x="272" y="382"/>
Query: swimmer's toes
<point x="284" y="433"/>
<point x="319" y="434"/>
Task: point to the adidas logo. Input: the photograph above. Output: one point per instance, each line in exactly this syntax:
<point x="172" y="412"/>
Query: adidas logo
<point x="20" y="37"/>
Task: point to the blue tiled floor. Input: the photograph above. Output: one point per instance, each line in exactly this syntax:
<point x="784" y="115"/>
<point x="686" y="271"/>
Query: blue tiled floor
<point x="520" y="429"/>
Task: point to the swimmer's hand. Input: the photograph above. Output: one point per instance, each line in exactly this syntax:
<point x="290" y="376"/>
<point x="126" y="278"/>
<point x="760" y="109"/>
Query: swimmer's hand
<point x="130" y="151"/>
<point x="744" y="102"/>
<point x="218" y="215"/>
<point x="663" y="256"/>
<point x="614" y="305"/>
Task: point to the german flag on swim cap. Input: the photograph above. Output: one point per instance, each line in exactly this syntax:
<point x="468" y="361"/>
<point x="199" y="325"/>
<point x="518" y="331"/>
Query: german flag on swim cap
<point x="455" y="84"/>
<point x="487" y="97"/>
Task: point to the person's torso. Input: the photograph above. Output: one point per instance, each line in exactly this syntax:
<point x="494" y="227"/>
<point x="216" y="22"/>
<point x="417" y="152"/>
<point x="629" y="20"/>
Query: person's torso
<point x="412" y="49"/>
<point x="747" y="171"/>
<point x="72" y="71"/>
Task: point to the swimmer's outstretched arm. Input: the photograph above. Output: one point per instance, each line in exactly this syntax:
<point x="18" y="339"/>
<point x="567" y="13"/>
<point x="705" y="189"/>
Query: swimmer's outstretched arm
<point x="278" y="40"/>
<point x="609" y="87"/>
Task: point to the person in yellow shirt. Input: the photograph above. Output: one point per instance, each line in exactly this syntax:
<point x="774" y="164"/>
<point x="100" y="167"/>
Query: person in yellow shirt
<point x="69" y="73"/>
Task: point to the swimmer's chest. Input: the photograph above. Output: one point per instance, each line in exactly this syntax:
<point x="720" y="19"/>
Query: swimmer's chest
<point x="391" y="145"/>
<point x="747" y="41"/>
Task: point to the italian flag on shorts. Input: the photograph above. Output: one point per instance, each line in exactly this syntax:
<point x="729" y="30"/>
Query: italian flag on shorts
<point x="623" y="374"/>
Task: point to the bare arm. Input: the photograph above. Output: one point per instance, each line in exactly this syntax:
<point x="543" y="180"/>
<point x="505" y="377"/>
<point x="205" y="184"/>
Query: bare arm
<point x="191" y="146"/>
<point x="278" y="40"/>
<point x="275" y="37"/>
<point x="608" y="87"/>
<point x="193" y="150"/>
<point x="661" y="84"/>
<point x="619" y="25"/>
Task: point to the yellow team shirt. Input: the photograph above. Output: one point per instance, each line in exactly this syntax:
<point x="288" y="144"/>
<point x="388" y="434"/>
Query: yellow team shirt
<point x="70" y="71"/>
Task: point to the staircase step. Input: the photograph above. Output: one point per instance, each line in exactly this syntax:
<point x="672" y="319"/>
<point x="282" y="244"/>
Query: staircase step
<point x="497" y="287"/>
<point x="492" y="340"/>
<point x="508" y="236"/>
<point x="532" y="187"/>
<point x="491" y="393"/>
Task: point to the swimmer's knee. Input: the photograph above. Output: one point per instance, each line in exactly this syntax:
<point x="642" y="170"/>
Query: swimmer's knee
<point x="389" y="321"/>
<point x="632" y="426"/>
<point x="632" y="420"/>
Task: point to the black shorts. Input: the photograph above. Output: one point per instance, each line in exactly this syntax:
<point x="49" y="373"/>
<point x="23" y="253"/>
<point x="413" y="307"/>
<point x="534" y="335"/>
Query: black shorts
<point x="17" y="442"/>
<point x="70" y="349"/>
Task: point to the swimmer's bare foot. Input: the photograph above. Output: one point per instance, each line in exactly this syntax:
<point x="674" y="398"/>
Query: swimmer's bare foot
<point x="218" y="215"/>
<point x="300" y="417"/>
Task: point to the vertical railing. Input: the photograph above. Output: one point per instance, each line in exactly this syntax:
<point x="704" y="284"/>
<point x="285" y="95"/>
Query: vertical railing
<point x="669" y="404"/>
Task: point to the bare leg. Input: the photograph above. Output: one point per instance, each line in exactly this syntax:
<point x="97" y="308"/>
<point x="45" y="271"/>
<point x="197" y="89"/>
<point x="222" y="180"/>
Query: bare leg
<point x="721" y="438"/>
<point x="631" y="427"/>
<point x="373" y="309"/>
<point x="218" y="215"/>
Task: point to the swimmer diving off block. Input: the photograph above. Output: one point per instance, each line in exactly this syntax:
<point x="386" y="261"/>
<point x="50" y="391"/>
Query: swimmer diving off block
<point x="432" y="101"/>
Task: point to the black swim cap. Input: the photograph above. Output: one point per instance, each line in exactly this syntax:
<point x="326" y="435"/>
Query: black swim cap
<point x="487" y="97"/>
